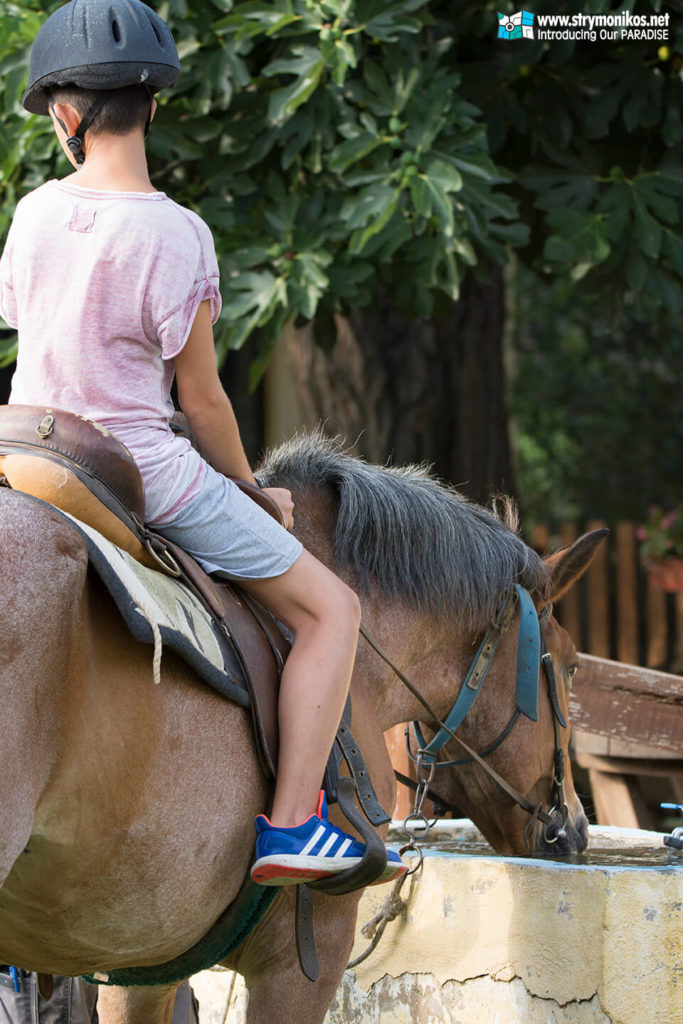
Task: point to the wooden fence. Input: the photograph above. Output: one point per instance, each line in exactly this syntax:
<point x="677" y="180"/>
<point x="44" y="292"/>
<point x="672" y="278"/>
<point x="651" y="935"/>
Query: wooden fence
<point x="613" y="612"/>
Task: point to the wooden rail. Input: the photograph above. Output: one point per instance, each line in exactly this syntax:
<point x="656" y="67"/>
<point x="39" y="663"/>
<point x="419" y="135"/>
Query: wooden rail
<point x="614" y="612"/>
<point x="627" y="719"/>
<point x="628" y="703"/>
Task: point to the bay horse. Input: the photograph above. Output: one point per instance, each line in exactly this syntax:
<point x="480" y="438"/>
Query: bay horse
<point x="128" y="808"/>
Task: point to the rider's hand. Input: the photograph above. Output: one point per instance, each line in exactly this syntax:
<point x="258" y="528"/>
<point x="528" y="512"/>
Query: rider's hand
<point x="283" y="499"/>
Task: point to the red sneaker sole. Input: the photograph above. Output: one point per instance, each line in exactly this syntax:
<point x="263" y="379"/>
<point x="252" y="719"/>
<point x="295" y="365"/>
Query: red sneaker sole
<point x="271" y="874"/>
<point x="268" y="874"/>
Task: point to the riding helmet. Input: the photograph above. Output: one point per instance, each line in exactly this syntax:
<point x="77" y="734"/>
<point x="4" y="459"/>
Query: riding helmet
<point x="100" y="44"/>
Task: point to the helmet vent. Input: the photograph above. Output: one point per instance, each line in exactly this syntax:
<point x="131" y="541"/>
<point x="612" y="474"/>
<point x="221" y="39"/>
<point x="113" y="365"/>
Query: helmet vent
<point x="116" y="31"/>
<point x="156" y="33"/>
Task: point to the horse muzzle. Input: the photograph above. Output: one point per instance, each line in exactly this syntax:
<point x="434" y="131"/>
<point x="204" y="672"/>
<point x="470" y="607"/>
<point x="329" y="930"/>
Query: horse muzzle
<point x="566" y="835"/>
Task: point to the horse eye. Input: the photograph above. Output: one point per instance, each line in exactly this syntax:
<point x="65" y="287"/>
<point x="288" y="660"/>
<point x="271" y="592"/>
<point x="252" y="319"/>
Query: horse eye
<point x="572" y="670"/>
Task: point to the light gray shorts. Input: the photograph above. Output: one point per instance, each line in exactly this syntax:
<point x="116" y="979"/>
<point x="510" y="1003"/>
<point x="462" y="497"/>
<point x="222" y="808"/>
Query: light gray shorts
<point x="227" y="532"/>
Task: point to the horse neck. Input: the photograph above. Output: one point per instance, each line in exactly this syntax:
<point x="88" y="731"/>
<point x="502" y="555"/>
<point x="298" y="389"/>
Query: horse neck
<point x="432" y="653"/>
<point x="430" y="650"/>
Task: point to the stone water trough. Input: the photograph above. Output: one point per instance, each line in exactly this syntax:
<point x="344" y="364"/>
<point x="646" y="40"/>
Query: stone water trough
<point x="502" y="940"/>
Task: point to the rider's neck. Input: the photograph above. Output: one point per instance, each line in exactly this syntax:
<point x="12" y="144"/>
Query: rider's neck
<point x="114" y="163"/>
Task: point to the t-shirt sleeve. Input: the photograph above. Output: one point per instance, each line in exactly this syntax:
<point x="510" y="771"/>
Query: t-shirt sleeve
<point x="192" y="281"/>
<point x="8" y="302"/>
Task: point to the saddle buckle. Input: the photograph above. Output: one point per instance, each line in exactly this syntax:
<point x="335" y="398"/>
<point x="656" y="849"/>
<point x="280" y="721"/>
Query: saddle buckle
<point x="46" y="426"/>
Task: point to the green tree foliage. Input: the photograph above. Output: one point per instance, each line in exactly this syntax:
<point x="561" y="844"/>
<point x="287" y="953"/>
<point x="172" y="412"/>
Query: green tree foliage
<point x="593" y="131"/>
<point x="598" y="430"/>
<point x="333" y="145"/>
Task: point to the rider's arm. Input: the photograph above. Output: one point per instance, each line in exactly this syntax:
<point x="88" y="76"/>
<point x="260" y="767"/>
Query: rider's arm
<point x="209" y="411"/>
<point x="205" y="403"/>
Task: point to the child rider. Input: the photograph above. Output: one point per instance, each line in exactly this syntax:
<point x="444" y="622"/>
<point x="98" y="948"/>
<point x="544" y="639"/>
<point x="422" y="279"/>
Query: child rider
<point x="113" y="288"/>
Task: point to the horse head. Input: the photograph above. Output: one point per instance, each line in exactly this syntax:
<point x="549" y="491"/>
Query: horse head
<point x="432" y="570"/>
<point x="543" y="815"/>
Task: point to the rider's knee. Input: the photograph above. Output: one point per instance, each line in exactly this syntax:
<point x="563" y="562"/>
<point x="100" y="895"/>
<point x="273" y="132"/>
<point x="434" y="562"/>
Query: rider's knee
<point x="350" y="607"/>
<point x="340" y="606"/>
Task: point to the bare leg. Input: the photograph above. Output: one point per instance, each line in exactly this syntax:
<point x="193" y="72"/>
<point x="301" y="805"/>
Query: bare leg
<point x="324" y="615"/>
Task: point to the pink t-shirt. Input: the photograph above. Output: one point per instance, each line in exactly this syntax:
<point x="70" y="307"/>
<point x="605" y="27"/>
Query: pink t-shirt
<point x="103" y="288"/>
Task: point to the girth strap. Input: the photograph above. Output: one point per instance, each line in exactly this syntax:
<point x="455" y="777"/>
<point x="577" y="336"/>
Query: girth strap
<point x="370" y="868"/>
<point x="303" y="928"/>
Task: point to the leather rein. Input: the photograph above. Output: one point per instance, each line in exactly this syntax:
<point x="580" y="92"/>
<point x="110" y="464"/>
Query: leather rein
<point x="532" y="653"/>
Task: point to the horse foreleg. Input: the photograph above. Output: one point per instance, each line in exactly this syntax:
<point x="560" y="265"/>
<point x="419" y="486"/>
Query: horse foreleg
<point x="269" y="963"/>
<point x="148" y="1005"/>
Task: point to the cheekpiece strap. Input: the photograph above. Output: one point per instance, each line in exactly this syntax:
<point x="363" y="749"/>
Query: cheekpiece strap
<point x="528" y="665"/>
<point x="471" y="685"/>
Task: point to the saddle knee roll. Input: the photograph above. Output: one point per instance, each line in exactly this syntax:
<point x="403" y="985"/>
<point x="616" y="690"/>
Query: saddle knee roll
<point x="58" y="486"/>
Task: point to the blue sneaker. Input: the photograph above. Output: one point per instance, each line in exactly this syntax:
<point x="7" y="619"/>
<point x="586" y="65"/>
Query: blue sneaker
<point x="314" y="849"/>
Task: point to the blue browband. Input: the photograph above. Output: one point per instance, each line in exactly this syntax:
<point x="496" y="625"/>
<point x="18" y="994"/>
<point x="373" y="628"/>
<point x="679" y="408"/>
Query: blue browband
<point x="528" y="663"/>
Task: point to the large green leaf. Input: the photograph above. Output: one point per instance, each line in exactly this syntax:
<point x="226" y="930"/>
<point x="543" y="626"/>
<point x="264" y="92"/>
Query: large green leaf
<point x="578" y="238"/>
<point x="308" y="65"/>
<point x="368" y="204"/>
<point x="385" y="212"/>
<point x="352" y="150"/>
<point x="8" y="347"/>
<point x="447" y="177"/>
<point x="648" y="231"/>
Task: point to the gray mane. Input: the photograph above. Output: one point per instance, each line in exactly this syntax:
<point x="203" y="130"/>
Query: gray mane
<point x="402" y="531"/>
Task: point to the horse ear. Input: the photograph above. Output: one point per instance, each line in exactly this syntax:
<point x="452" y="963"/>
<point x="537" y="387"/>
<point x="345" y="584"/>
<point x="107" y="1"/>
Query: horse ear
<point x="568" y="564"/>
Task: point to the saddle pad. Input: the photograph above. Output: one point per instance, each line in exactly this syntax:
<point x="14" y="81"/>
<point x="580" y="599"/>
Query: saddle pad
<point x="160" y="610"/>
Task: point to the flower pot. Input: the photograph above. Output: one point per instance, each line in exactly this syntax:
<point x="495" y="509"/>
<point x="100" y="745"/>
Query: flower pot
<point x="666" y="575"/>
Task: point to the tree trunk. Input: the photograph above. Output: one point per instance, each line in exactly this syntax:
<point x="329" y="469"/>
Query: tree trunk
<point x="5" y="382"/>
<point x="426" y="390"/>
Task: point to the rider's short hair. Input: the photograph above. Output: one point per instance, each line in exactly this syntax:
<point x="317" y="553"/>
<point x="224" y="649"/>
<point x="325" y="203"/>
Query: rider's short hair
<point x="126" y="109"/>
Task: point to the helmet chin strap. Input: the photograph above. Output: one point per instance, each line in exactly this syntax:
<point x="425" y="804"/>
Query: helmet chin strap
<point x="150" y="96"/>
<point x="75" y="141"/>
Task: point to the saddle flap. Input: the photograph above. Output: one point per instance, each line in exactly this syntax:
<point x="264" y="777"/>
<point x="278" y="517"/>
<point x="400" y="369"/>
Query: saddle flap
<point x="262" y="651"/>
<point x="55" y="482"/>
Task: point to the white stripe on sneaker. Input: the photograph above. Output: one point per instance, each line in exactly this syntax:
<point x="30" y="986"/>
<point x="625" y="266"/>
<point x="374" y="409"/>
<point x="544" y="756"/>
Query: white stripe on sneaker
<point x="344" y="847"/>
<point x="317" y="835"/>
<point x="328" y="845"/>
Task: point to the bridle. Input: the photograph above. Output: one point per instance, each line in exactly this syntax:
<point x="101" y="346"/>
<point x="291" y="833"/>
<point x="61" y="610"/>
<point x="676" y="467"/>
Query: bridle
<point x="532" y="653"/>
